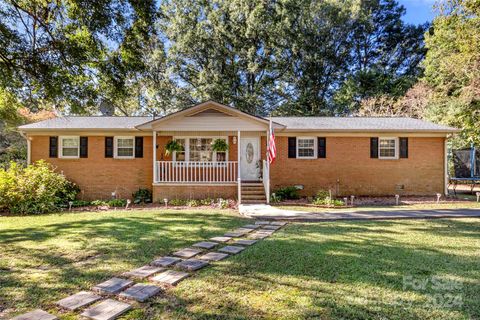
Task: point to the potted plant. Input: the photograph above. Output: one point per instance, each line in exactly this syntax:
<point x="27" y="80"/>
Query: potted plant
<point x="172" y="146"/>
<point x="220" y="146"/>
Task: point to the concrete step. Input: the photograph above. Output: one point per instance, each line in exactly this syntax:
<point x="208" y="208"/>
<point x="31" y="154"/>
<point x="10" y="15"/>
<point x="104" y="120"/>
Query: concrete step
<point x="253" y="201"/>
<point x="253" y="197"/>
<point x="252" y="184"/>
<point x="253" y="192"/>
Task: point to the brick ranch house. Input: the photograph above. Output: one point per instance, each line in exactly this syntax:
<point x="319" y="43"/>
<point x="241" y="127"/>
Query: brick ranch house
<point x="348" y="155"/>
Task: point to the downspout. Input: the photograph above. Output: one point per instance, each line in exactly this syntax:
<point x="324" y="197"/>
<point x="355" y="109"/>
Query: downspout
<point x="446" y="166"/>
<point x="29" y="147"/>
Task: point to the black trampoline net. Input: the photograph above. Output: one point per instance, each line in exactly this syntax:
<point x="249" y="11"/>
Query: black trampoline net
<point x="462" y="163"/>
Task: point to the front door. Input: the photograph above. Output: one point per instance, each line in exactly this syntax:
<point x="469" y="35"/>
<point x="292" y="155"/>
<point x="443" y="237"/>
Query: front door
<point x="249" y="158"/>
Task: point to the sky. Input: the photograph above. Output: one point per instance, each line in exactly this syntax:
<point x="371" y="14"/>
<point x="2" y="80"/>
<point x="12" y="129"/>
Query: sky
<point x="418" y="11"/>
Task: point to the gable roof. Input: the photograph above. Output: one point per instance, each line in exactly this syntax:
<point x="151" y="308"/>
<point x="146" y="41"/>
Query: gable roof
<point x="210" y="104"/>
<point x="361" y="124"/>
<point x="88" y="123"/>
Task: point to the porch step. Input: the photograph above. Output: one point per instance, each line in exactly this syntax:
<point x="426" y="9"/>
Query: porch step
<point x="253" y="196"/>
<point x="253" y="192"/>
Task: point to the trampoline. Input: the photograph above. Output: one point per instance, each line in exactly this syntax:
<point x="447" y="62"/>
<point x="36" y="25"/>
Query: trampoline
<point x="466" y="165"/>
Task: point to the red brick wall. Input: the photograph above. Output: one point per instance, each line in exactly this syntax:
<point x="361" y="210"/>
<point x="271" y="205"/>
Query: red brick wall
<point x="349" y="169"/>
<point x="98" y="176"/>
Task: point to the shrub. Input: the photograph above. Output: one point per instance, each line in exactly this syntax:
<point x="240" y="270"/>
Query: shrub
<point x="177" y="202"/>
<point x="328" y="202"/>
<point x="117" y="202"/>
<point x="193" y="203"/>
<point x="99" y="203"/>
<point x="34" y="189"/>
<point x="80" y="203"/>
<point x="322" y="194"/>
<point x="206" y="202"/>
<point x="274" y="198"/>
<point x="287" y="193"/>
<point x="142" y="196"/>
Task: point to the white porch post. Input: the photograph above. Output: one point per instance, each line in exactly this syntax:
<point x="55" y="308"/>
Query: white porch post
<point x="267" y="175"/>
<point x="239" y="180"/>
<point x="446" y="166"/>
<point x="154" y="146"/>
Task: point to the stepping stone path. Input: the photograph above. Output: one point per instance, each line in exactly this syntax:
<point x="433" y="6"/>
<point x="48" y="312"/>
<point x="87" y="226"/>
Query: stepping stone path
<point x="232" y="249"/>
<point x="271" y="227"/>
<point x="78" y="300"/>
<point x="143" y="272"/>
<point x="106" y="310"/>
<point x="112" y="286"/>
<point x="205" y="245"/>
<point x="187" y="253"/>
<point x="245" y="242"/>
<point x="234" y="234"/>
<point x="140" y="292"/>
<point x="213" y="256"/>
<point x="221" y="239"/>
<point x="110" y="309"/>
<point x="251" y="226"/>
<point x="165" y="261"/>
<point x="192" y="264"/>
<point x="170" y="277"/>
<point x="35" y="315"/>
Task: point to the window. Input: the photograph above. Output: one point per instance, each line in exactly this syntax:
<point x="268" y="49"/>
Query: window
<point x="198" y="149"/>
<point x="387" y="148"/>
<point x="124" y="147"/>
<point x="69" y="147"/>
<point x="306" y="148"/>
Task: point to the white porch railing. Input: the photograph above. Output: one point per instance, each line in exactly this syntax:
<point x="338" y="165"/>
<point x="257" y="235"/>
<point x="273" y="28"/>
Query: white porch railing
<point x="196" y="172"/>
<point x="266" y="179"/>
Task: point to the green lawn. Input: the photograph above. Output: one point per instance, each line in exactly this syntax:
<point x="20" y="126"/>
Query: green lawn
<point x="335" y="270"/>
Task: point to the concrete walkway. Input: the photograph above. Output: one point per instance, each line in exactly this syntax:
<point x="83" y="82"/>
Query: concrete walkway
<point x="267" y="212"/>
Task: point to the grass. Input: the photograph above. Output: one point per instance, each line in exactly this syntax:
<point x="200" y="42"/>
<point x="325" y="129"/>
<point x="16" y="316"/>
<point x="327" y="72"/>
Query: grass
<point x="335" y="270"/>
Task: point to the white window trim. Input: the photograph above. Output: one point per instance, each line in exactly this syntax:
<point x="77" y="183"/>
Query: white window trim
<point x="314" y="148"/>
<point x="396" y="148"/>
<point x="115" y="149"/>
<point x="60" y="147"/>
<point x="187" y="148"/>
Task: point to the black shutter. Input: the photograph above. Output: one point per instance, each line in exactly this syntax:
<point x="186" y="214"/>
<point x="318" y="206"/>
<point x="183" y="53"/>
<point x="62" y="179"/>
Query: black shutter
<point x="322" y="147"/>
<point x="83" y="147"/>
<point x="292" y="147"/>
<point x="53" y="149"/>
<point x="108" y="147"/>
<point x="138" y="147"/>
<point x="373" y="147"/>
<point x="403" y="147"/>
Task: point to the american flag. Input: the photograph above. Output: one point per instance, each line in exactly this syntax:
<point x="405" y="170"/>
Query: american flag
<point x="272" y="149"/>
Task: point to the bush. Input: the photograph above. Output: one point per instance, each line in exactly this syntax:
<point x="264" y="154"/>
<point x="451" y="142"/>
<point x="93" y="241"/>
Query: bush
<point x="193" y="203"/>
<point x="142" y="196"/>
<point x="322" y="195"/>
<point x="206" y="202"/>
<point x="80" y="203"/>
<point x="177" y="202"/>
<point x="117" y="203"/>
<point x="34" y="189"/>
<point x="328" y="202"/>
<point x="99" y="203"/>
<point x="287" y="193"/>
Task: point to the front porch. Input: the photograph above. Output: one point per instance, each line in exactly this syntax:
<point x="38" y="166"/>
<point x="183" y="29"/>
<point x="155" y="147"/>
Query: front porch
<point x="210" y="150"/>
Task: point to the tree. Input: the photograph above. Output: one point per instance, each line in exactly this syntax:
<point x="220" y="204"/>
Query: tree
<point x="386" y="55"/>
<point x="56" y="50"/>
<point x="452" y="67"/>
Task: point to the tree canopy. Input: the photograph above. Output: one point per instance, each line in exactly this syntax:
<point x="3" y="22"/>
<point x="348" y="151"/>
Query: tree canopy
<point x="291" y="57"/>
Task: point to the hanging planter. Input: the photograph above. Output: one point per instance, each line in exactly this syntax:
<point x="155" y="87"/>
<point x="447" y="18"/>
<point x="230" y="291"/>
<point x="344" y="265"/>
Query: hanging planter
<point x="172" y="146"/>
<point x="219" y="145"/>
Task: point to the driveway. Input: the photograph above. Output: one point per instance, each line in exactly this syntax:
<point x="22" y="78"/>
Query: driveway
<point x="271" y="213"/>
